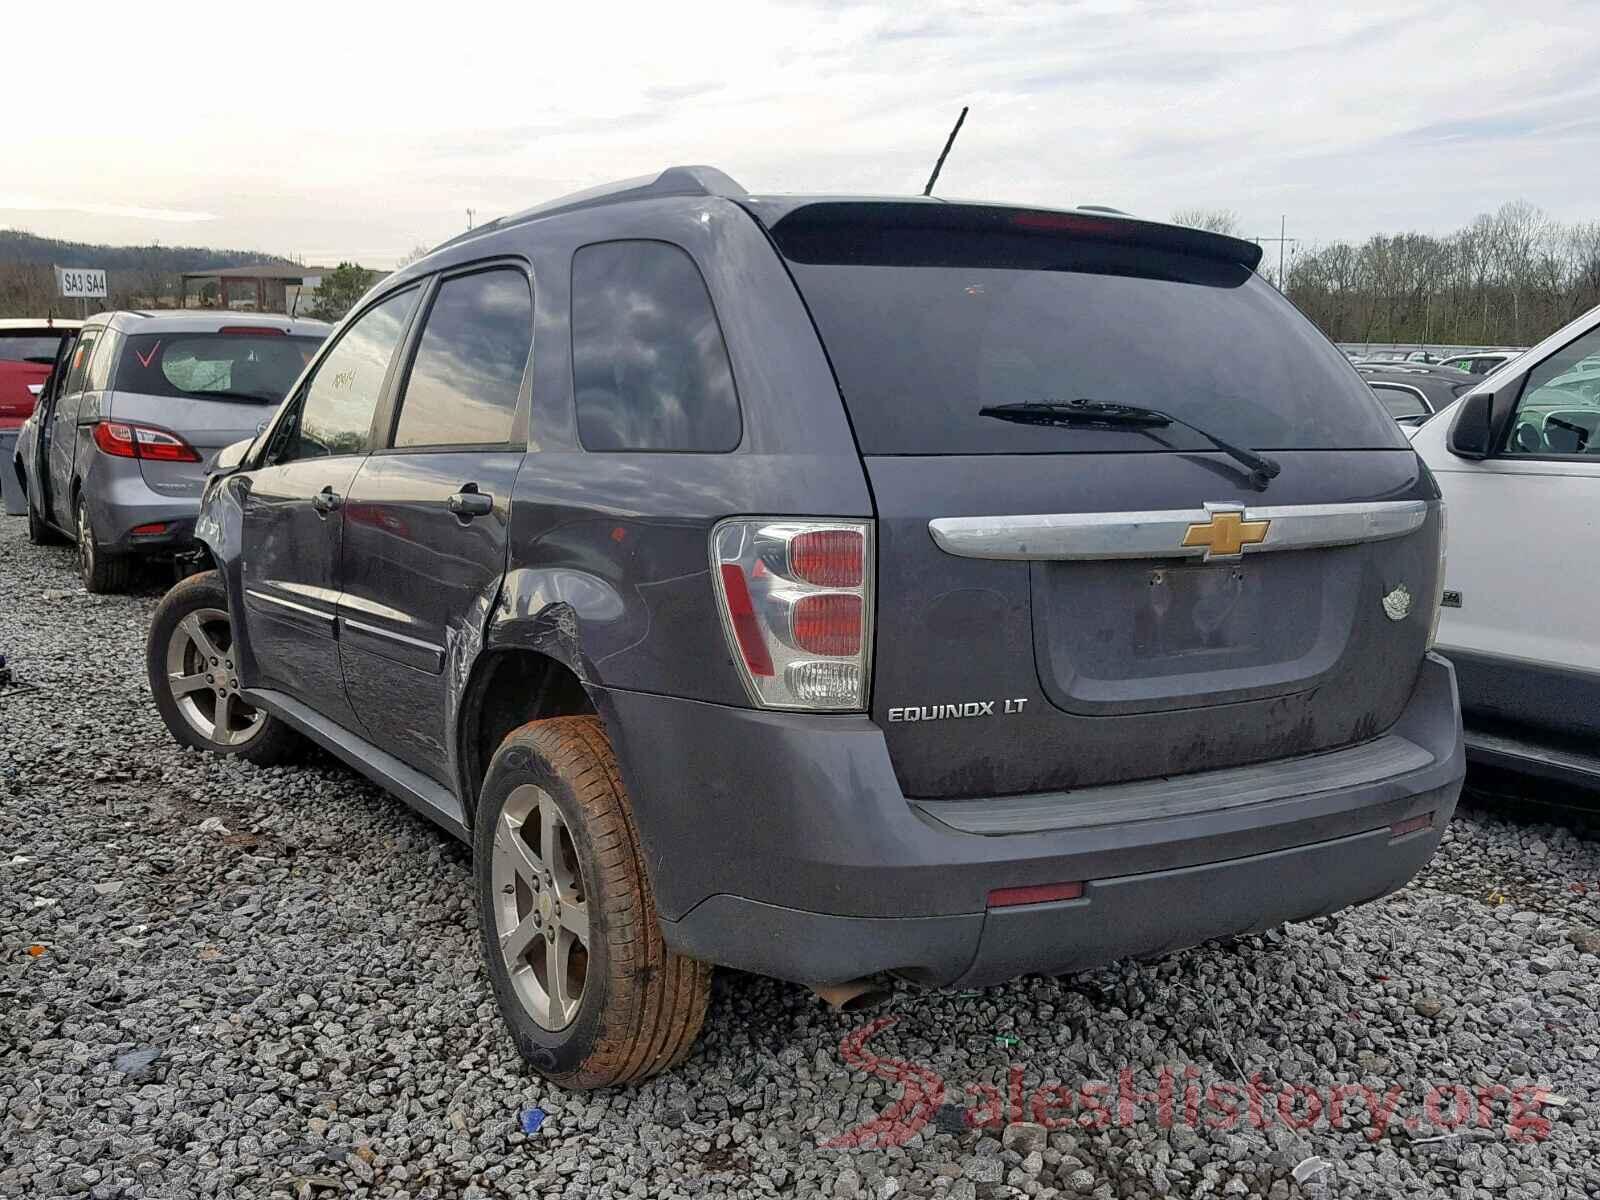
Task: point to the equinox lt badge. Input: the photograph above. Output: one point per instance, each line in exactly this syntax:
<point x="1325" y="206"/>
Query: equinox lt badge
<point x="947" y="712"/>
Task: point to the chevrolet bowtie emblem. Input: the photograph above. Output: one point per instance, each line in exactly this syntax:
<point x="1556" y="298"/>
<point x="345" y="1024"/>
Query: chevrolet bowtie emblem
<point x="1226" y="534"/>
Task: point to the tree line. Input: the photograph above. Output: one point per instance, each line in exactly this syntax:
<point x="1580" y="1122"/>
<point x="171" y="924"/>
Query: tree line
<point x="1508" y="278"/>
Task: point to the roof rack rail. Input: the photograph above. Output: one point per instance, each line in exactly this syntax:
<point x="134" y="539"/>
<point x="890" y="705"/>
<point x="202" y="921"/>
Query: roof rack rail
<point x="674" y="181"/>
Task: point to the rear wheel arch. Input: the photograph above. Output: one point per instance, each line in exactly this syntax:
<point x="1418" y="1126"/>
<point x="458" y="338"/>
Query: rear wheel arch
<point x="509" y="687"/>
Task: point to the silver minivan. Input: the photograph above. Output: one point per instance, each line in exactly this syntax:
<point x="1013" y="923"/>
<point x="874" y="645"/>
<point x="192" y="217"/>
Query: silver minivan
<point x="133" y="418"/>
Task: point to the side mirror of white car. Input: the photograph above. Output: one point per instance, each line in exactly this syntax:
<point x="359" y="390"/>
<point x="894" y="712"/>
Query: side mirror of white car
<point x="1480" y="419"/>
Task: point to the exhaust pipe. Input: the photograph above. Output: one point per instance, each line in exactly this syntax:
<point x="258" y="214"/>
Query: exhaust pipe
<point x="856" y="996"/>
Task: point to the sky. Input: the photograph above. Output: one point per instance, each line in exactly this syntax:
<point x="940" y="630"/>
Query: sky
<point x="353" y="131"/>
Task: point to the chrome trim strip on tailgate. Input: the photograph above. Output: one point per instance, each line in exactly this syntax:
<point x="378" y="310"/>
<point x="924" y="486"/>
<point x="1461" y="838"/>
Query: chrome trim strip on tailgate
<point x="1181" y="795"/>
<point x="1161" y="533"/>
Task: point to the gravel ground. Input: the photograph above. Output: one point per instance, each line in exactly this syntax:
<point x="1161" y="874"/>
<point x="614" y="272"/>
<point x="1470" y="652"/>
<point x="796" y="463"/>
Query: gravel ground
<point x="221" y="980"/>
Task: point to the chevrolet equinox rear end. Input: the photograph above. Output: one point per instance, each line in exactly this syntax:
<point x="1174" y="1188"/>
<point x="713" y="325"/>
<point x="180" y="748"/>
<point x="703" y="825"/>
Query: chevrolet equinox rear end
<point x="828" y="588"/>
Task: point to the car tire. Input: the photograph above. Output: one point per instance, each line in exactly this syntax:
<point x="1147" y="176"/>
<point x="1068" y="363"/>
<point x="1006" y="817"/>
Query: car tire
<point x="563" y="895"/>
<point x="101" y="570"/>
<point x="194" y="678"/>
<point x="39" y="531"/>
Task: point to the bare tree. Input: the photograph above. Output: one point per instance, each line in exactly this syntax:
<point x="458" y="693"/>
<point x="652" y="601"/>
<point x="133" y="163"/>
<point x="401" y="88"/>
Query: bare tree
<point x="417" y="251"/>
<point x="1216" y="220"/>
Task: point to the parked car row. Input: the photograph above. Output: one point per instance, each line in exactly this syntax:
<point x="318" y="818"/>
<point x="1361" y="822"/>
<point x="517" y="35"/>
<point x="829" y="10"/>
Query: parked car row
<point x="131" y="412"/>
<point x="814" y="586"/>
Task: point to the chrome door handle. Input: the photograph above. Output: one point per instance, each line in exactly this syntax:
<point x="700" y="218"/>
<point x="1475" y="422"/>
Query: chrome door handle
<point x="327" y="501"/>
<point x="469" y="502"/>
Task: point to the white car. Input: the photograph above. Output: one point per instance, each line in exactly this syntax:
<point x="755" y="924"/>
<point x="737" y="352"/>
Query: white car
<point x="1518" y="461"/>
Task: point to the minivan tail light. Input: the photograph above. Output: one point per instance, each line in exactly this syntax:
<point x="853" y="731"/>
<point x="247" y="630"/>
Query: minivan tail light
<point x="116" y="439"/>
<point x="795" y="598"/>
<point x="124" y="439"/>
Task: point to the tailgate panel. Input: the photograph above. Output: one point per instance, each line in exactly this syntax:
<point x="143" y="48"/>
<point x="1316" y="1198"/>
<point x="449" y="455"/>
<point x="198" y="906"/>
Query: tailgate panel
<point x="996" y="677"/>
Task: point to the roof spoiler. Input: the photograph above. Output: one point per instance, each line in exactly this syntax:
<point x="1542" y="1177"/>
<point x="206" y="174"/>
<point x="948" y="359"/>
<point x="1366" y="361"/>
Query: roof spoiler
<point x="1098" y="224"/>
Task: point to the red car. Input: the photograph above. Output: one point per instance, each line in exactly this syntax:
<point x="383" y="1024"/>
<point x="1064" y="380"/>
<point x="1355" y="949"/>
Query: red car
<point x="28" y="348"/>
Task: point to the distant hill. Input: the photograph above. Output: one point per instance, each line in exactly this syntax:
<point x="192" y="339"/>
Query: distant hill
<point x="136" y="276"/>
<point x="17" y="246"/>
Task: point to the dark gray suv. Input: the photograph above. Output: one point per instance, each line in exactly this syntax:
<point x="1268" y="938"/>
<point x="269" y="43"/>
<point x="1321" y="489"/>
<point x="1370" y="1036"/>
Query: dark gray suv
<point x="827" y="587"/>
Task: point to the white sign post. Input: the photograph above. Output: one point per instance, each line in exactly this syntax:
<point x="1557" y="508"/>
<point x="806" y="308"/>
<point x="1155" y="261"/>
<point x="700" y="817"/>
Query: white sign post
<point x="81" y="283"/>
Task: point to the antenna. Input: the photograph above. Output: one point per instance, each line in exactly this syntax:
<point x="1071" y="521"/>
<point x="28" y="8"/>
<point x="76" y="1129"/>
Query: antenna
<point x="943" y="154"/>
<point x="471" y="212"/>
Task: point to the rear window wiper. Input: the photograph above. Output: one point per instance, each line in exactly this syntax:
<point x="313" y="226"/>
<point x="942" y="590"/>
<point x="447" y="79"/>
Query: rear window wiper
<point x="1105" y="414"/>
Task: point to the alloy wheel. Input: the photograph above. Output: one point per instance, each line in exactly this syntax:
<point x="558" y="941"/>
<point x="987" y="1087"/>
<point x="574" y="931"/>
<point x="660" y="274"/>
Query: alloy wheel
<point x="204" y="678"/>
<point x="541" y="907"/>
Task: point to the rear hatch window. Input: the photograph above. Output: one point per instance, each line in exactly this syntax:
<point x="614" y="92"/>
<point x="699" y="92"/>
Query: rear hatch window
<point x="931" y="314"/>
<point x="239" y="367"/>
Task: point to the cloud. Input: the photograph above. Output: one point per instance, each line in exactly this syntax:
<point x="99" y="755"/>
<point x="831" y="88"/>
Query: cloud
<point x="1353" y="119"/>
<point x="130" y="212"/>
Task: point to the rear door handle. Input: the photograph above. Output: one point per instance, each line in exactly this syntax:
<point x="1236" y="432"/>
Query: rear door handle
<point x="469" y="502"/>
<point x="327" y="501"/>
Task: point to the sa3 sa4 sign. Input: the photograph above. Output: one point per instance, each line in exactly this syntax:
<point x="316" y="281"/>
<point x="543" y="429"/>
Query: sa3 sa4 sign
<point x="81" y="283"/>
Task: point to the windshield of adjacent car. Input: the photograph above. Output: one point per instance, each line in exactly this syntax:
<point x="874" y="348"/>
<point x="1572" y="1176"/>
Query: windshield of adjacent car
<point x="253" y="368"/>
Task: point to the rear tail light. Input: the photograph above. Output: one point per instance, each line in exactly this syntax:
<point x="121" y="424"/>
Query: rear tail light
<point x="124" y="439"/>
<point x="796" y="605"/>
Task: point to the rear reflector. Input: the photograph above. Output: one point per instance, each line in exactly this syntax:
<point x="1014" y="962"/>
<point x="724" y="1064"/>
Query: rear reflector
<point x="145" y="530"/>
<point x="742" y="615"/>
<point x="1042" y="893"/>
<point x="1411" y="825"/>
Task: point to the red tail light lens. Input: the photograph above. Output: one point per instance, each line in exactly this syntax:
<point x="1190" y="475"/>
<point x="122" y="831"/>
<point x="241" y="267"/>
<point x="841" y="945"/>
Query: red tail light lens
<point x="116" y="439"/>
<point x="827" y="623"/>
<point x="124" y="439"/>
<point x="828" y="557"/>
<point x="794" y="597"/>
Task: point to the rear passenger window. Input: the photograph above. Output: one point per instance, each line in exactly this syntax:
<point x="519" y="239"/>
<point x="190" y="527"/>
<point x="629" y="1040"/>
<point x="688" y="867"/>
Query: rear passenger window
<point x="649" y="367"/>
<point x="81" y="354"/>
<point x="100" y="365"/>
<point x="468" y="368"/>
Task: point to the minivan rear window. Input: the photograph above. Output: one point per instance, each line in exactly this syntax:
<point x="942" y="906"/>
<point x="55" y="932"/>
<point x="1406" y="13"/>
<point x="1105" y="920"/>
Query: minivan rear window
<point x="246" y="368"/>
<point x="926" y="326"/>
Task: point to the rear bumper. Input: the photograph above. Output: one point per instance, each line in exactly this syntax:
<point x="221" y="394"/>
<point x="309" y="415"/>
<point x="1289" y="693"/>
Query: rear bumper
<point x="121" y="501"/>
<point x="783" y="845"/>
